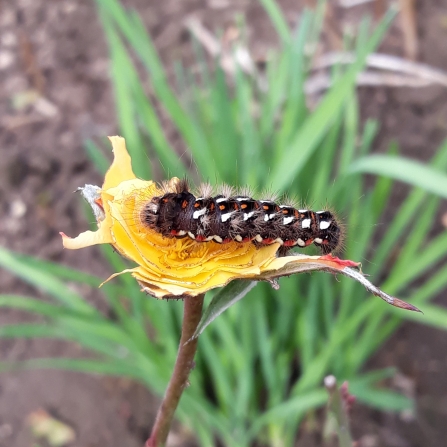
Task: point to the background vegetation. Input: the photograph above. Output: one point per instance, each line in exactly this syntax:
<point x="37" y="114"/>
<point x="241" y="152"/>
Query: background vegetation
<point x="260" y="365"/>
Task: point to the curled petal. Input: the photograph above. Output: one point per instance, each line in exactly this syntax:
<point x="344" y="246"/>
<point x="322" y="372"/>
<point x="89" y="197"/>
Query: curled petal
<point x="285" y="267"/>
<point x="332" y="265"/>
<point x="86" y="239"/>
<point x="121" y="168"/>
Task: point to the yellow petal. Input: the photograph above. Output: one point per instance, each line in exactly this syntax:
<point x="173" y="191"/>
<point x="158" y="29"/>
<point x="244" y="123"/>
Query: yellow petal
<point x="163" y="288"/>
<point x="201" y="278"/>
<point x="86" y="239"/>
<point x="121" y="168"/>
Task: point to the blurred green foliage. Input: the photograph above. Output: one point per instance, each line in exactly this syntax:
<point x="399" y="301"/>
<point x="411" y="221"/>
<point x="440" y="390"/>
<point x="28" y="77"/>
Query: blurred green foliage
<point x="261" y="364"/>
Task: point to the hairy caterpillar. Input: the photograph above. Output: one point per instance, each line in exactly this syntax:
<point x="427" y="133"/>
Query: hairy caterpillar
<point x="228" y="217"/>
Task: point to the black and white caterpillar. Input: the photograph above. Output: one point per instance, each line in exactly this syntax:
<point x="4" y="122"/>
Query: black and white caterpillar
<point x="226" y="217"/>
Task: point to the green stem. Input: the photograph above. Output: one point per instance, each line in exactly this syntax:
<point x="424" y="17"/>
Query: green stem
<point x="192" y="313"/>
<point x="340" y="402"/>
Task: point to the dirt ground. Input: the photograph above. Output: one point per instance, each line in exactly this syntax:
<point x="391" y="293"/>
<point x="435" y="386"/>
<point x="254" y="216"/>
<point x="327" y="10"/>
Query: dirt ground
<point x="57" y="47"/>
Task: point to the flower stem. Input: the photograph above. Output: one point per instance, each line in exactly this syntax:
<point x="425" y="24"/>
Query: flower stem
<point x="340" y="404"/>
<point x="192" y="312"/>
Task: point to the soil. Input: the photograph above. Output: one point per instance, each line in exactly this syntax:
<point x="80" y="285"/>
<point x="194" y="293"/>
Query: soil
<point x="57" y="49"/>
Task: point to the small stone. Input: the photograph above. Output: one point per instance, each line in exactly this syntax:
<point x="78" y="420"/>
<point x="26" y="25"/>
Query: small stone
<point x="17" y="209"/>
<point x="6" y="59"/>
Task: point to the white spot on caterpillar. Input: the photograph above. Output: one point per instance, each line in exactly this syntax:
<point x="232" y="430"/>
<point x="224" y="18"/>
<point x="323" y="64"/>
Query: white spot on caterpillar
<point x="266" y="218"/>
<point x="181" y="233"/>
<point x="248" y="215"/>
<point x="300" y="242"/>
<point x="259" y="238"/>
<point x="271" y="216"/>
<point x="324" y="224"/>
<point x="279" y="240"/>
<point x="238" y="238"/>
<point x="218" y="239"/>
<point x="242" y="199"/>
<point x="222" y="199"/>
<point x="191" y="235"/>
<point x="318" y="240"/>
<point x="226" y="216"/>
<point x="152" y="207"/>
<point x="320" y="212"/>
<point x="199" y="213"/>
<point x="288" y="220"/>
<point x="305" y="223"/>
<point x="209" y="238"/>
<point x="303" y="211"/>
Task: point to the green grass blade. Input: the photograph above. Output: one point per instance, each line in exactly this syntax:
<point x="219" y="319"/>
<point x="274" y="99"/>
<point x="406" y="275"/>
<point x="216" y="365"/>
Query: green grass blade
<point x="124" y="77"/>
<point x="384" y="399"/>
<point x="317" y="124"/>
<point x="80" y="365"/>
<point x="133" y="29"/>
<point x="277" y="18"/>
<point x="433" y="252"/>
<point x="144" y="110"/>
<point x="435" y="316"/>
<point x="35" y="306"/>
<point x="44" y="281"/>
<point x="60" y="271"/>
<point x="404" y="170"/>
<point x="290" y="409"/>
<point x="32" y="330"/>
<point x="295" y="100"/>
<point x="97" y="156"/>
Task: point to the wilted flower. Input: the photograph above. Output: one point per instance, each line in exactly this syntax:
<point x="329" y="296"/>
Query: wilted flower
<point x="170" y="267"/>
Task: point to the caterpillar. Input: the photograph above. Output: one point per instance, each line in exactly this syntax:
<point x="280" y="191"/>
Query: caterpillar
<point x="228" y="217"/>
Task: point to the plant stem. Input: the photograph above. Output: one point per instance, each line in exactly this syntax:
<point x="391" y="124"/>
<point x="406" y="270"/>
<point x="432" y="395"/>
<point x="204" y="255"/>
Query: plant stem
<point x="192" y="312"/>
<point x="340" y="402"/>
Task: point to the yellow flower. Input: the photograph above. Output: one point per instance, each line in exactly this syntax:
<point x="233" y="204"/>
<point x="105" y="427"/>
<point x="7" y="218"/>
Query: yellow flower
<point x="170" y="267"/>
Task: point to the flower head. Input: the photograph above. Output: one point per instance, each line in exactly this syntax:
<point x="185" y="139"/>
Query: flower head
<point x="171" y="267"/>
